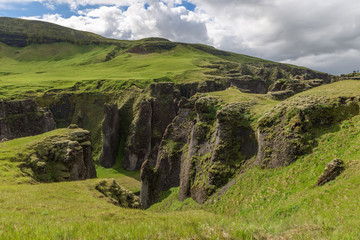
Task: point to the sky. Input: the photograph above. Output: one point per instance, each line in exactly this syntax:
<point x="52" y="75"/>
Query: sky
<point x="323" y="35"/>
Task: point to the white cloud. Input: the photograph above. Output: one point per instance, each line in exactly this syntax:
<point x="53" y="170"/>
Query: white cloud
<point x="158" y="20"/>
<point x="287" y="30"/>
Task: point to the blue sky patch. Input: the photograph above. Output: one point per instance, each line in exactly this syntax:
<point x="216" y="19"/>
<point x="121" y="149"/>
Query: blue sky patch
<point x="189" y="6"/>
<point x="35" y="9"/>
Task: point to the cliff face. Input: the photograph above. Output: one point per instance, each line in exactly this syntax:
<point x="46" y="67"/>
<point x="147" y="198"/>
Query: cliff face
<point x="172" y="152"/>
<point x="83" y="109"/>
<point x="156" y="111"/>
<point x="24" y="118"/>
<point x="200" y="151"/>
<point x="111" y="136"/>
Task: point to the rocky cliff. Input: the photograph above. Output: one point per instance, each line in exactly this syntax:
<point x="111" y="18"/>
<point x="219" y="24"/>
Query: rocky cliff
<point x="156" y="111"/>
<point x="24" y="118"/>
<point x="200" y="151"/>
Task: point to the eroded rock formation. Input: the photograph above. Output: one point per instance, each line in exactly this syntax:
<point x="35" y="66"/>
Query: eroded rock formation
<point x="111" y="136"/>
<point x="155" y="113"/>
<point x="288" y="131"/>
<point x="332" y="170"/>
<point x="62" y="157"/>
<point x="118" y="195"/>
<point x="200" y="151"/>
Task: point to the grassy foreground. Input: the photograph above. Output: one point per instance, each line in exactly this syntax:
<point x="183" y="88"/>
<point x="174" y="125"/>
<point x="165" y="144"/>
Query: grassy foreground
<point x="75" y="211"/>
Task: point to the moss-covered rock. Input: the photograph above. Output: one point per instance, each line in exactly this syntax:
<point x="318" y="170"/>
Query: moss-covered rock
<point x="86" y="109"/>
<point x="285" y="88"/>
<point x="201" y="150"/>
<point x="172" y="150"/>
<point x="117" y="195"/>
<point x="219" y="144"/>
<point x="332" y="170"/>
<point x="289" y="129"/>
<point x="155" y="111"/>
<point x="62" y="157"/>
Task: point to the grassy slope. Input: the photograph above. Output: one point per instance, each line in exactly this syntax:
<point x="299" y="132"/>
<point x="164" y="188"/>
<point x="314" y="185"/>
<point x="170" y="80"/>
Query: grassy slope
<point x="37" y="68"/>
<point x="61" y="65"/>
<point x="75" y="210"/>
<point x="259" y="102"/>
<point x="23" y="32"/>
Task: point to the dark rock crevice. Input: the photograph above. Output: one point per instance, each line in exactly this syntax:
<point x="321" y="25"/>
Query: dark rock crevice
<point x="155" y="113"/>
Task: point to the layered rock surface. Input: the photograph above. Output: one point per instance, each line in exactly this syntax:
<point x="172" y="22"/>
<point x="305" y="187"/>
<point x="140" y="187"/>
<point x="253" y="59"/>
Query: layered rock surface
<point x="155" y="112"/>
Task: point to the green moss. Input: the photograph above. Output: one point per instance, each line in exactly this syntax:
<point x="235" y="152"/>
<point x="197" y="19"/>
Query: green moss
<point x="117" y="194"/>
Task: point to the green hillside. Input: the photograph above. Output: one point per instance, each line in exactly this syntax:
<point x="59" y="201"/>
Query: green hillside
<point x="20" y="33"/>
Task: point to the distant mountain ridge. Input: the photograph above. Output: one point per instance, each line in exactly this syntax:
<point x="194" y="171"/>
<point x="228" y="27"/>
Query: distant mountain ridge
<point x="20" y="33"/>
<point x="62" y="51"/>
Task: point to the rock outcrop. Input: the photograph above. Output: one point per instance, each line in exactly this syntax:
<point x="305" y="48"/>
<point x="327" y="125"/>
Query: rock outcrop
<point x="155" y="112"/>
<point x="117" y="195"/>
<point x="200" y="151"/>
<point x="288" y="131"/>
<point x="332" y="170"/>
<point x="220" y="142"/>
<point x="24" y="118"/>
<point x="285" y="88"/>
<point x="111" y="136"/>
<point x="62" y="157"/>
<point x="166" y="173"/>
